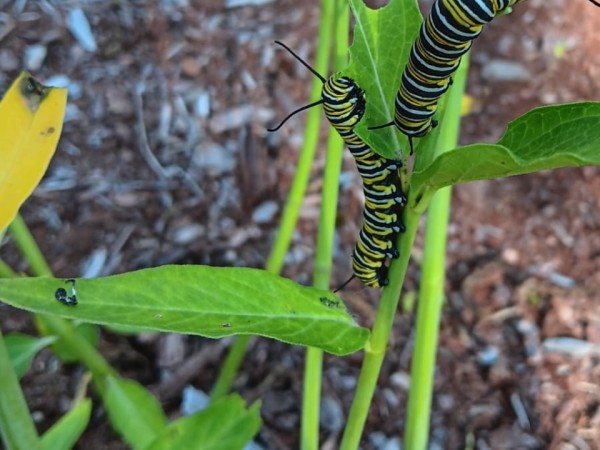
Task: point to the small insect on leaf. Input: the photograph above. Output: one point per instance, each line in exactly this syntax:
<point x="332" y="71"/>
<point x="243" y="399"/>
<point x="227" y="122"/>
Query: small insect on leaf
<point x="61" y="294"/>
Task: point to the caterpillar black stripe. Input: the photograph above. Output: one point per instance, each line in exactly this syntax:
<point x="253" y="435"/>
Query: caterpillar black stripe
<point x="344" y="105"/>
<point x="446" y="35"/>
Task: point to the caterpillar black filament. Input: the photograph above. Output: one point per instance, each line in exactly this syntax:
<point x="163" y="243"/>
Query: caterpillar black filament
<point x="344" y="105"/>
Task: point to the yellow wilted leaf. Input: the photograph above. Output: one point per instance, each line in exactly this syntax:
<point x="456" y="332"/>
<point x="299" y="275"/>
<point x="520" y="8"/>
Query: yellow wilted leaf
<point x="468" y="105"/>
<point x="31" y="117"/>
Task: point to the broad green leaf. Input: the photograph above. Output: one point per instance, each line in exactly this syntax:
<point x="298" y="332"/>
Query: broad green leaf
<point x="31" y="117"/>
<point x="23" y="348"/>
<point x="225" y="424"/>
<point x="133" y="411"/>
<point x="379" y="52"/>
<point x="207" y="301"/>
<point x="64" y="434"/>
<point x="544" y="138"/>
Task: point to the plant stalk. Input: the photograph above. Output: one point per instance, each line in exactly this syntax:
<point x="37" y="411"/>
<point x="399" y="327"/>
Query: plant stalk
<point x="431" y="297"/>
<point x="339" y="17"/>
<point x="377" y="344"/>
<point x="28" y="247"/>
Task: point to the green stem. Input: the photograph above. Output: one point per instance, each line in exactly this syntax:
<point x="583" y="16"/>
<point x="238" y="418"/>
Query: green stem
<point x="16" y="426"/>
<point x="230" y="367"/>
<point x="30" y="250"/>
<point x="86" y="353"/>
<point x="376" y="346"/>
<point x="291" y="211"/>
<point x="431" y="295"/>
<point x="6" y="271"/>
<point x="322" y="274"/>
<point x="339" y="17"/>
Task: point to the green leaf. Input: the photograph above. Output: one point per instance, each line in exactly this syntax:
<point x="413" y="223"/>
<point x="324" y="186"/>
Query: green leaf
<point x="64" y="434"/>
<point x="379" y="52"/>
<point x="544" y="138"/>
<point x="133" y="411"/>
<point x="225" y="424"/>
<point x="23" y="348"/>
<point x="207" y="301"/>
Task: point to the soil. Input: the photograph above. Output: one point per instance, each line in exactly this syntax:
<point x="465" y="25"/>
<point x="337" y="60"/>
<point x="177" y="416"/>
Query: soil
<point x="164" y="158"/>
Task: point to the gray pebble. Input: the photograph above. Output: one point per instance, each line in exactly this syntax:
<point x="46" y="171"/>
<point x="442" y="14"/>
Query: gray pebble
<point x="503" y="70"/>
<point x="265" y="212"/>
<point x="568" y="346"/>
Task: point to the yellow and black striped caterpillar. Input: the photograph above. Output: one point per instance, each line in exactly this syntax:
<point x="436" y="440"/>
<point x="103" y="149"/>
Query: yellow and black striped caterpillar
<point x="344" y="105"/>
<point x="446" y="35"/>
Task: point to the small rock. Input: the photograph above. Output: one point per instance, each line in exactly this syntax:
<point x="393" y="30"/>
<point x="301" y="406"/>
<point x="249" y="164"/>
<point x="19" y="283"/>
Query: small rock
<point x="511" y="256"/>
<point x="561" y="280"/>
<point x="193" y="401"/>
<point x="214" y="159"/>
<point x="483" y="415"/>
<point x="190" y="67"/>
<point x="391" y="398"/>
<point x="235" y="118"/>
<point x="34" y="56"/>
<point x="92" y="266"/>
<point x="503" y="70"/>
<point x="202" y="104"/>
<point x="488" y="356"/>
<point x="377" y="439"/>
<point x="392" y="444"/>
<point x="332" y="416"/>
<point x="188" y="233"/>
<point x="79" y="26"/>
<point x="171" y="350"/>
<point x="253" y="446"/>
<point x="238" y="3"/>
<point x="568" y="346"/>
<point x="400" y="380"/>
<point x="64" y="81"/>
<point x="8" y="60"/>
<point x="265" y="212"/>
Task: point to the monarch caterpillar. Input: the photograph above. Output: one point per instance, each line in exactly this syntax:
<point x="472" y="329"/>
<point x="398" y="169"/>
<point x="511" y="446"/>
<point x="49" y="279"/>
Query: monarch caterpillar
<point x="344" y="105"/>
<point x="446" y="35"/>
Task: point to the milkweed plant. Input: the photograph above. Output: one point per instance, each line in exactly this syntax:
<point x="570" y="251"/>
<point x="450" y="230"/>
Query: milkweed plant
<point x="218" y="302"/>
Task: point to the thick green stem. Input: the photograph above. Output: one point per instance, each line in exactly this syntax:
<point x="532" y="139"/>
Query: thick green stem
<point x="322" y="274"/>
<point x="86" y="353"/>
<point x="339" y="17"/>
<point x="431" y="296"/>
<point x="6" y="271"/>
<point x="230" y="367"/>
<point x="376" y="347"/>
<point x="16" y="426"/>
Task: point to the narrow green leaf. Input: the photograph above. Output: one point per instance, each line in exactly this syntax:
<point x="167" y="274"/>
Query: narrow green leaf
<point x="133" y="411"/>
<point x="379" y="52"/>
<point x="544" y="138"/>
<point x="225" y="424"/>
<point x="17" y="430"/>
<point x="207" y="301"/>
<point x="64" y="434"/>
<point x="22" y="348"/>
